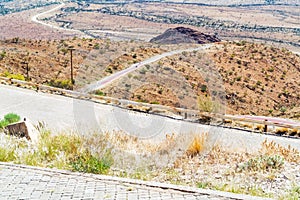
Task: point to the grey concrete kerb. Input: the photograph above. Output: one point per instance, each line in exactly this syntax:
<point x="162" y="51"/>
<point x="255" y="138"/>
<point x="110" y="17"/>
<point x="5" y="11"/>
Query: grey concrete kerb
<point x="149" y="184"/>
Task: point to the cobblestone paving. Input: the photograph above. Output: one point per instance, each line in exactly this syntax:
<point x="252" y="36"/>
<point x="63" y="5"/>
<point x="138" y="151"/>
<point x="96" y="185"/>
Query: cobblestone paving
<point x="22" y="182"/>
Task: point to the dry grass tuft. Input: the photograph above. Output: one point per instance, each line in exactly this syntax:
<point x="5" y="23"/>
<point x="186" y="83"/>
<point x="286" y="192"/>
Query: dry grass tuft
<point x="197" y="145"/>
<point x="288" y="153"/>
<point x="259" y="127"/>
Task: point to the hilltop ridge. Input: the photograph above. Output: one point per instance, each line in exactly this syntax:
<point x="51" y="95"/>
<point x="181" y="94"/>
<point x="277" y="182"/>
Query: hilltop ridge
<point x="184" y="35"/>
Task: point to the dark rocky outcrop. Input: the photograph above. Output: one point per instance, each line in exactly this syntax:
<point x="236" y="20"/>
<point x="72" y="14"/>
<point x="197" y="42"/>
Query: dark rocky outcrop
<point x="184" y="35"/>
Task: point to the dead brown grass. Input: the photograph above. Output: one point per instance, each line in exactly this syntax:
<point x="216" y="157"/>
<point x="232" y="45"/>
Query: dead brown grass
<point x="288" y="153"/>
<point x="197" y="145"/>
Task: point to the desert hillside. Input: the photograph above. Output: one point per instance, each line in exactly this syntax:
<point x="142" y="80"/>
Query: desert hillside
<point x="49" y="61"/>
<point x="258" y="79"/>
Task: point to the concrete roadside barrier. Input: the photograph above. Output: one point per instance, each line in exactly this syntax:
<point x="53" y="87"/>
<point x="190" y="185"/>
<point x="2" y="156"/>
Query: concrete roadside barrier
<point x="23" y="129"/>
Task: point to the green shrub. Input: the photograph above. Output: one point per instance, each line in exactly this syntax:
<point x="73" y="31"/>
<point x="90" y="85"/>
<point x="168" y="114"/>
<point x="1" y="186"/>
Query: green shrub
<point x="100" y="93"/>
<point x="64" y="151"/>
<point x="3" y="123"/>
<point x="50" y="147"/>
<point x="96" y="46"/>
<point x="9" y="119"/>
<point x="12" y="118"/>
<point x="90" y="164"/>
<point x="203" y="184"/>
<point x="239" y="78"/>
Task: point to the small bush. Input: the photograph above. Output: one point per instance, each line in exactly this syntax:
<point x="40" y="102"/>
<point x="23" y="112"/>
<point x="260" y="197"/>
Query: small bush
<point x="281" y="131"/>
<point x="239" y="78"/>
<point x="203" y="184"/>
<point x="13" y="76"/>
<point x="100" y="93"/>
<point x="9" y="119"/>
<point x="2" y="55"/>
<point x="203" y="88"/>
<point x="96" y="46"/>
<point x="263" y="162"/>
<point x="90" y="164"/>
<point x="64" y="84"/>
<point x="207" y="105"/>
<point x="12" y="118"/>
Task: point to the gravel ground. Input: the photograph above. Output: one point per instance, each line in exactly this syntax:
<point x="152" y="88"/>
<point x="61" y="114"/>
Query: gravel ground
<point x="278" y="176"/>
<point x="224" y="174"/>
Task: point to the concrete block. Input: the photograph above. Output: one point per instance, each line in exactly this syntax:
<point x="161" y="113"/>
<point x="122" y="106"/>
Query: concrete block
<point x="23" y="129"/>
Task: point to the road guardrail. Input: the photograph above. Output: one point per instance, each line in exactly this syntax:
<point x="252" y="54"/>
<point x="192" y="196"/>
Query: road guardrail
<point x="168" y="111"/>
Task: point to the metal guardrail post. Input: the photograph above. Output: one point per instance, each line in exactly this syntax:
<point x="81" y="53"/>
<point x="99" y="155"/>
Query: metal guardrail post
<point x="266" y="126"/>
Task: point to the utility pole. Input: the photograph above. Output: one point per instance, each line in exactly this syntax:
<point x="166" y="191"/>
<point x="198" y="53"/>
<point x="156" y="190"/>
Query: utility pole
<point x="71" y="49"/>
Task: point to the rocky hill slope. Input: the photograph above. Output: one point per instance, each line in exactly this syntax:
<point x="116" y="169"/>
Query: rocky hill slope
<point x="184" y="35"/>
<point x="258" y="79"/>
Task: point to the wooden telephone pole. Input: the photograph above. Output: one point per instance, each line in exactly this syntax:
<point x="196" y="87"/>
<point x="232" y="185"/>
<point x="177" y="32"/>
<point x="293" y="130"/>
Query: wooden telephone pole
<point x="71" y="49"/>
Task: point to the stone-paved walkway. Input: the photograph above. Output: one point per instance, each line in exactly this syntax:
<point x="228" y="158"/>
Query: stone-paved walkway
<point x="24" y="182"/>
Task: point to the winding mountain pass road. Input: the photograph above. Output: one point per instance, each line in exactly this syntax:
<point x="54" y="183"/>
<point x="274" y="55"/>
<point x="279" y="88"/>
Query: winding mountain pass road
<point x="109" y="79"/>
<point x="36" y="17"/>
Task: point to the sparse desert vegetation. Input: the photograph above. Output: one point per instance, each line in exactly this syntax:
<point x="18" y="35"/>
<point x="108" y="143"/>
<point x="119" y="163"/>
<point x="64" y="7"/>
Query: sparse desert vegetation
<point x="251" y="74"/>
<point x="271" y="172"/>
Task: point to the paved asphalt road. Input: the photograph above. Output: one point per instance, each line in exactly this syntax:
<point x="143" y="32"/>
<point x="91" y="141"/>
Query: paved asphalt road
<point x="62" y="114"/>
<point x="36" y="17"/>
<point x="109" y="79"/>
